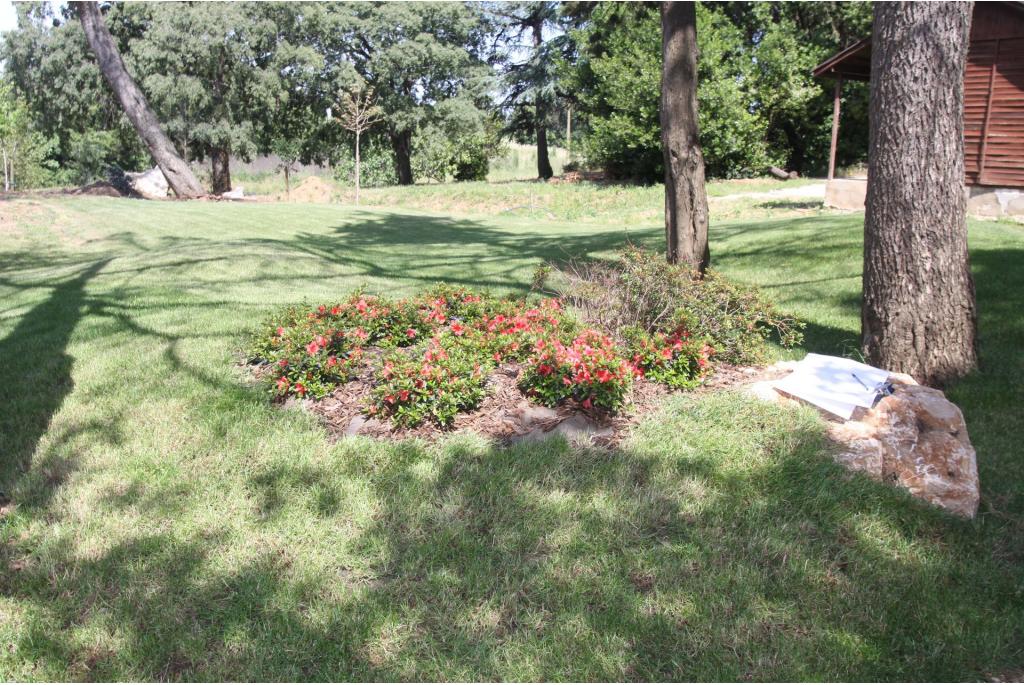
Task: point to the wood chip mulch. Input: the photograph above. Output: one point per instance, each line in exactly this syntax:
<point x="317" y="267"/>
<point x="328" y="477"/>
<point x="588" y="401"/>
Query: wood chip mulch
<point x="506" y="415"/>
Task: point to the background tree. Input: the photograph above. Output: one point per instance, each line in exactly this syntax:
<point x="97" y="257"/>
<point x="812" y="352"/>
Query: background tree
<point x="415" y="56"/>
<point x="686" y="202"/>
<point x="209" y="70"/>
<point x="529" y="68"/>
<point x="919" y="313"/>
<point x="134" y="103"/>
<point x="49" y="64"/>
<point x="358" y="112"/>
<point x="759" y="103"/>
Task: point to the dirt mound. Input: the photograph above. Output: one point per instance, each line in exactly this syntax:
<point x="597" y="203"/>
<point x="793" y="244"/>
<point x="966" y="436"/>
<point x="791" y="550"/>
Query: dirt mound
<point x="312" y="189"/>
<point x="98" y="189"/>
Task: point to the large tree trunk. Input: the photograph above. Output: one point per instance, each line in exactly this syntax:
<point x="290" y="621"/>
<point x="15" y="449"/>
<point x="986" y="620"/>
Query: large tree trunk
<point x="544" y="169"/>
<point x="401" y="145"/>
<point x="179" y="176"/>
<point x="220" y="162"/>
<point x="686" y="200"/>
<point x="919" y="314"/>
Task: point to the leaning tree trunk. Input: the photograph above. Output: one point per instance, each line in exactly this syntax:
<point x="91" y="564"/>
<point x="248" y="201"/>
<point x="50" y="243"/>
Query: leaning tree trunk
<point x="179" y="176"/>
<point x="919" y="314"/>
<point x="686" y="200"/>
<point x="220" y="163"/>
<point x="401" y="145"/>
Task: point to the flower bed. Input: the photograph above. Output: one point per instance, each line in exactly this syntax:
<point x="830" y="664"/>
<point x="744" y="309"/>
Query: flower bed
<point x="433" y="357"/>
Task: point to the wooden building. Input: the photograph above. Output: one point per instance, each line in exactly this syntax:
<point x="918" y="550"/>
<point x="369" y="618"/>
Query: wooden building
<point x="993" y="94"/>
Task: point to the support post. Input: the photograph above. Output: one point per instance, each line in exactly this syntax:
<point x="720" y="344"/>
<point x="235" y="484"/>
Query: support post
<point x="835" y="128"/>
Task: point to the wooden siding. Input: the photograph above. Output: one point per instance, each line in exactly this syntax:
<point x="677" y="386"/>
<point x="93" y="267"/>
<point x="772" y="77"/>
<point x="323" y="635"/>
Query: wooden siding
<point x="994" y="113"/>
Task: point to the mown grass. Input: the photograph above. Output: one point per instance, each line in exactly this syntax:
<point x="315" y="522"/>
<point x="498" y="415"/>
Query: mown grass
<point x="165" y="522"/>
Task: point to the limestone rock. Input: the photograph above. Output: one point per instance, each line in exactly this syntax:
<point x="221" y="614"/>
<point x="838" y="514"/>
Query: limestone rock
<point x="234" y="194"/>
<point x="149" y="184"/>
<point x="914" y="438"/>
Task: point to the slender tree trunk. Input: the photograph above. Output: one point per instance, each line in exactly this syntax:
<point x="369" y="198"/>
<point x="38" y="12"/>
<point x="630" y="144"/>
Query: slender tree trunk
<point x="7" y="178"/>
<point x="544" y="170"/>
<point x="177" y="172"/>
<point x="220" y="161"/>
<point x="287" y="182"/>
<point x="686" y="200"/>
<point x="357" y="168"/>
<point x="919" y="315"/>
<point x="401" y="145"/>
<point x="568" y="132"/>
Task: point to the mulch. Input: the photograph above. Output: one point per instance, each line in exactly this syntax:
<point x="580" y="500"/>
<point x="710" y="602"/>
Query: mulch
<point x="506" y="415"/>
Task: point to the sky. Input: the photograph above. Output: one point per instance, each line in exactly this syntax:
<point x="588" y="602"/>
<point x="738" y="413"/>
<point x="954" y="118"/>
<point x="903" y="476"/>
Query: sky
<point x="8" y="17"/>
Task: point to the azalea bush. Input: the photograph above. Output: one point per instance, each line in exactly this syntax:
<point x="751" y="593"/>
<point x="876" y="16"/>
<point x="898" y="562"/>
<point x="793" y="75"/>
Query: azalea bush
<point x="590" y="370"/>
<point x="677" y="359"/>
<point x="440" y="380"/>
<point x="430" y="355"/>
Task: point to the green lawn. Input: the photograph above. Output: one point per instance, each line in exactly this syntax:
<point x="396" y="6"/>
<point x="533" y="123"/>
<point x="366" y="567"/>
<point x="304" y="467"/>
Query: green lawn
<point x="167" y="523"/>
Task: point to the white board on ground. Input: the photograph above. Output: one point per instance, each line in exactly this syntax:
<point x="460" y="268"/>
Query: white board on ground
<point x="835" y="384"/>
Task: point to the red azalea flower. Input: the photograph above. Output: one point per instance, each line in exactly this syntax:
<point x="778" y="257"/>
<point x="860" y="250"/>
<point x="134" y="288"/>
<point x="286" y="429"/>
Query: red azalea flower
<point x="321" y="309"/>
<point x="403" y="395"/>
<point x="587" y="403"/>
<point x="411" y="332"/>
<point x="603" y="375"/>
<point x="458" y="328"/>
<point x="335" y="310"/>
<point x="312" y="348"/>
<point x="280" y="330"/>
<point x="390" y="399"/>
<point x="282" y="384"/>
<point x="497" y="357"/>
<point x="300" y="389"/>
<point x="283" y="363"/>
<point x="332" y="361"/>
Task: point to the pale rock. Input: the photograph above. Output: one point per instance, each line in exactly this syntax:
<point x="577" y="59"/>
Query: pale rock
<point x="915" y="438"/>
<point x="234" y="194"/>
<point x="149" y="184"/>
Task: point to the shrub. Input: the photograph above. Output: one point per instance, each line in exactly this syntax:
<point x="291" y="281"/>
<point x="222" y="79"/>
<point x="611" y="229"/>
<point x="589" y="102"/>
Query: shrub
<point x="440" y="380"/>
<point x="642" y="290"/>
<point x="590" y="371"/>
<point x="676" y="359"/>
<point x="309" y="354"/>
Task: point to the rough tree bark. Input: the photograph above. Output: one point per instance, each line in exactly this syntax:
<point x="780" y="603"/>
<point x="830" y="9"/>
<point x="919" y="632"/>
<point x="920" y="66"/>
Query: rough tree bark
<point x="179" y="176"/>
<point x="544" y="169"/>
<point x="220" y="163"/>
<point x="401" y="145"/>
<point x="918" y="313"/>
<point x="686" y="200"/>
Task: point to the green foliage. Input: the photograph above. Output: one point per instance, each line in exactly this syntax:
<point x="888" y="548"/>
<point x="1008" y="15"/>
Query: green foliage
<point x="618" y="81"/>
<point x="376" y="165"/>
<point x="24" y="150"/>
<point x="52" y="71"/>
<point x="642" y="291"/>
<point x="758" y="103"/>
<point x="91" y="154"/>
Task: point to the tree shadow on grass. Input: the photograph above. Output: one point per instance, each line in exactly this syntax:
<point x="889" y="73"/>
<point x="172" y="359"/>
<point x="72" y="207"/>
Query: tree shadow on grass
<point x="723" y="544"/>
<point x="37" y="377"/>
